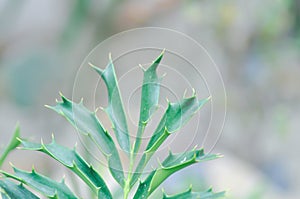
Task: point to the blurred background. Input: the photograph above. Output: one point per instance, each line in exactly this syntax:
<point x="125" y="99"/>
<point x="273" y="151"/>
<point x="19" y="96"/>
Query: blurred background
<point x="256" y="45"/>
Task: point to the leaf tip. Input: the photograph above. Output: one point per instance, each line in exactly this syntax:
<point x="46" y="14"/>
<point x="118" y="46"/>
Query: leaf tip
<point x="168" y="101"/>
<point x="48" y="106"/>
<point x="75" y="146"/>
<point x="209" y="98"/>
<point x="64" y="99"/>
<point x="92" y="65"/>
<point x="209" y="189"/>
<point x="20" y="139"/>
<point x="195" y="147"/>
<point x="140" y="65"/>
<point x="60" y="94"/>
<point x="96" y="110"/>
<point x="33" y="169"/>
<point x="160" y="56"/>
<point x="97" y="69"/>
<point x="12" y="165"/>
<point x="219" y="155"/>
<point x="190" y="187"/>
<point x="62" y="181"/>
<point x="52" y="138"/>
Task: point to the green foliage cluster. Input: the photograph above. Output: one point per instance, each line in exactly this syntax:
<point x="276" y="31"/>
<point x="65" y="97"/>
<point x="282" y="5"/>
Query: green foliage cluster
<point x="86" y="122"/>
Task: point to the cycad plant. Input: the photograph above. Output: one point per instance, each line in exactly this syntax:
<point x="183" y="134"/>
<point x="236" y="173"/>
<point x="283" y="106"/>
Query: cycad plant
<point x="86" y="122"/>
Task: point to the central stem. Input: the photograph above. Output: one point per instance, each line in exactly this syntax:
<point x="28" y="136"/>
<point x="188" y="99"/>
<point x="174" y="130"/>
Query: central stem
<point x="135" y="149"/>
<point x="128" y="180"/>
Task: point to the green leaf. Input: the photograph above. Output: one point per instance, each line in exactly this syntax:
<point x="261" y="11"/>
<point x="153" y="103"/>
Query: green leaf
<point x="87" y="123"/>
<point x="42" y="184"/>
<point x="14" y="142"/>
<point x="176" y="115"/>
<point x="149" y="99"/>
<point x="172" y="164"/>
<point x="72" y="160"/>
<point x="115" y="109"/>
<point x="209" y="194"/>
<point x="12" y="190"/>
<point x="4" y="195"/>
